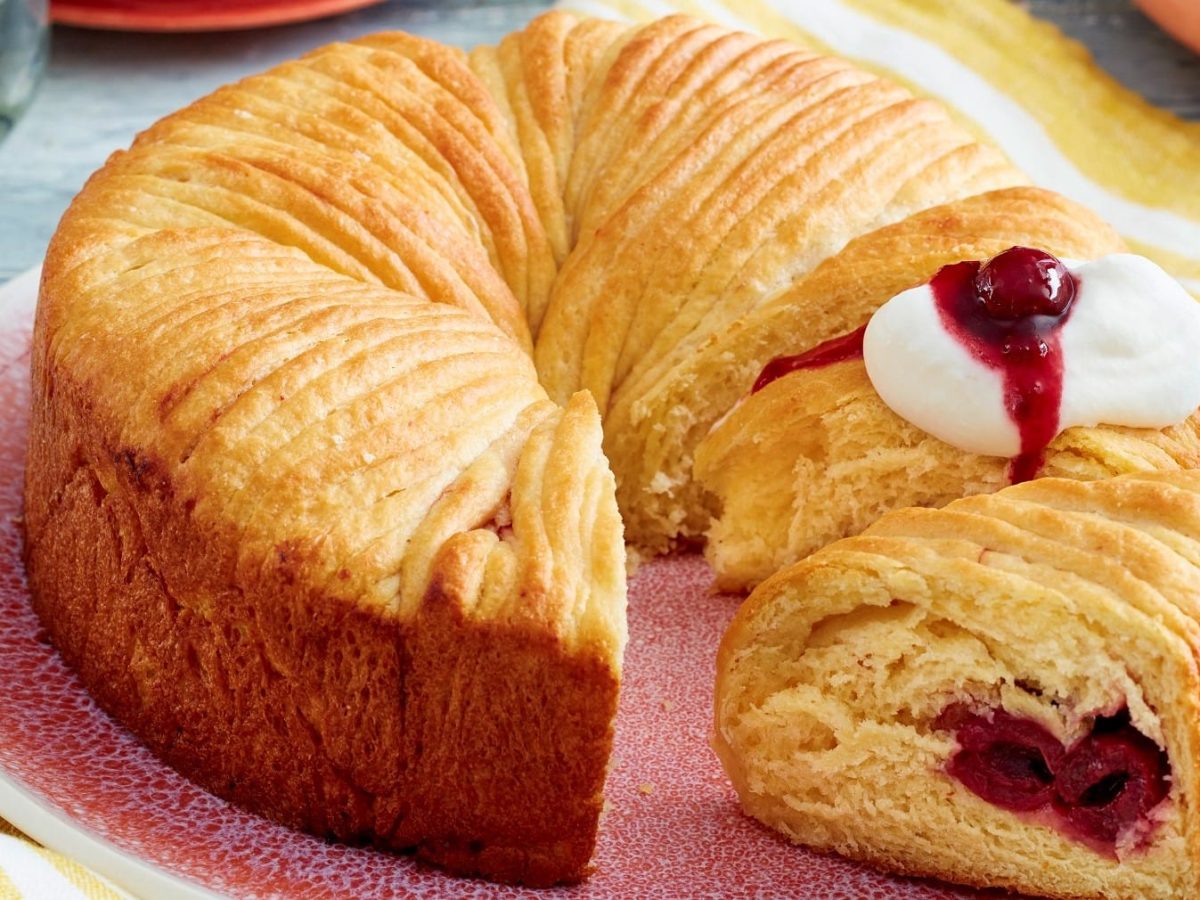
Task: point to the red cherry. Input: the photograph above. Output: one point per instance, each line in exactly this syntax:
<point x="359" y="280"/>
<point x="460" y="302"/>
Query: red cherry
<point x="1006" y="760"/>
<point x="1022" y="282"/>
<point x="1109" y="781"/>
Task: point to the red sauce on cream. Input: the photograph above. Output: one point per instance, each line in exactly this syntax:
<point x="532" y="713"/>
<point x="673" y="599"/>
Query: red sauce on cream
<point x="1008" y="314"/>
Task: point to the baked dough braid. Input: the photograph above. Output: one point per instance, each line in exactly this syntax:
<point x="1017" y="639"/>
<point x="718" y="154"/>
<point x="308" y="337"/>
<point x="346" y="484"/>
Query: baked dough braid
<point x="817" y="455"/>
<point x="1060" y="604"/>
<point x="301" y="508"/>
<point x="325" y="545"/>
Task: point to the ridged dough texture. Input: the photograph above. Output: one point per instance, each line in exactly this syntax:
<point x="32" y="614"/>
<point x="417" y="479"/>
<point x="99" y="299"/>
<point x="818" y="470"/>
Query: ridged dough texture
<point x="319" y="502"/>
<point x="817" y="455"/>
<point x="1053" y="600"/>
<point x="298" y="509"/>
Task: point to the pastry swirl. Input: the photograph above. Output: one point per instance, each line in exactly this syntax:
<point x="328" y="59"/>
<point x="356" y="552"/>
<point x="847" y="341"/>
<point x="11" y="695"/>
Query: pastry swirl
<point x="854" y="687"/>
<point x="319" y="501"/>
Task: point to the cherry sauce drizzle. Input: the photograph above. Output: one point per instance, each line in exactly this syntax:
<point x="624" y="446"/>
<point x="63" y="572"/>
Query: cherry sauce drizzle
<point x="1026" y="351"/>
<point x="1008" y="313"/>
<point x="839" y="349"/>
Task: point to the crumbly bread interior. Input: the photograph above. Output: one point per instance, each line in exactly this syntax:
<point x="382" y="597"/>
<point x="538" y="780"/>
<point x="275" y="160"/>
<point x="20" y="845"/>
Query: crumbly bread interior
<point x="1054" y="600"/>
<point x="818" y="456"/>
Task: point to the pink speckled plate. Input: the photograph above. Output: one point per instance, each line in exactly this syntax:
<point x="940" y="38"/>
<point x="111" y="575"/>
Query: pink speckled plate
<point x="76" y="781"/>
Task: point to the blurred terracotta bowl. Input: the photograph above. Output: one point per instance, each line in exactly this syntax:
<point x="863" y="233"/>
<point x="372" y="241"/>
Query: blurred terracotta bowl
<point x="194" y="15"/>
<point x="1180" y="18"/>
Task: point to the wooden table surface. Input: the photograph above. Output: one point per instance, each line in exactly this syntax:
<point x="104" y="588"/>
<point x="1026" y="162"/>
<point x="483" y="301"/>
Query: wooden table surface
<point x="101" y="88"/>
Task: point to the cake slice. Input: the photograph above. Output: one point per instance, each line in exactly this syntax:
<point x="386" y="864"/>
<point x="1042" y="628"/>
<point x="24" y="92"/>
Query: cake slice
<point x="1002" y="693"/>
<point x="969" y="378"/>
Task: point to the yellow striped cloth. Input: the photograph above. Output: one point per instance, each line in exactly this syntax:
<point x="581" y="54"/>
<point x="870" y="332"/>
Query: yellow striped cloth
<point x="1014" y="80"/>
<point x="31" y="872"/>
<point x="1010" y="78"/>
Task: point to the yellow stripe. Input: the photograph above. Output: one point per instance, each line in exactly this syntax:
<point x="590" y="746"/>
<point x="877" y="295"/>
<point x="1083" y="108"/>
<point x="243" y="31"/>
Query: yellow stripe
<point x="8" y="890"/>
<point x="88" y="884"/>
<point x="1177" y="265"/>
<point x="1109" y="133"/>
<point x="81" y="878"/>
<point x="630" y="9"/>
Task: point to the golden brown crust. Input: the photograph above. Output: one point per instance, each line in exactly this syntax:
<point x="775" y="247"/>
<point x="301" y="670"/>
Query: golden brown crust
<point x="711" y="170"/>
<point x="538" y="77"/>
<point x="299" y="509"/>
<point x="269" y="538"/>
<point x="1056" y="600"/>
<point x="482" y="745"/>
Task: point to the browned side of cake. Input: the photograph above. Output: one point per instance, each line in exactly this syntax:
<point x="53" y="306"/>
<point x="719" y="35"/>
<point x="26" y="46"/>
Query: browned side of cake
<point x="298" y="510"/>
<point x="483" y="746"/>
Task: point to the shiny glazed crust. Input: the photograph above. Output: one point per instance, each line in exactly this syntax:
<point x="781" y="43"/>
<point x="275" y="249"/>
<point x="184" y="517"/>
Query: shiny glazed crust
<point x="301" y="508"/>
<point x="1055" y="600"/>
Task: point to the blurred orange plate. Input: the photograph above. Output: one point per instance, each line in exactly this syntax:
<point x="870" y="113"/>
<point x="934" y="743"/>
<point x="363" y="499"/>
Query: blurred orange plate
<point x="194" y="15"/>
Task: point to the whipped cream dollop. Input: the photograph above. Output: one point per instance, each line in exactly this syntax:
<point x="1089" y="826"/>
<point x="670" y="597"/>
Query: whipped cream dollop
<point x="1119" y="345"/>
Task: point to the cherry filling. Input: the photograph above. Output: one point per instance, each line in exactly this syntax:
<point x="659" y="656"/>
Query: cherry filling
<point x="1105" y="783"/>
<point x="1007" y="761"/>
<point x="839" y="349"/>
<point x="1007" y="313"/>
<point x="1109" y="781"/>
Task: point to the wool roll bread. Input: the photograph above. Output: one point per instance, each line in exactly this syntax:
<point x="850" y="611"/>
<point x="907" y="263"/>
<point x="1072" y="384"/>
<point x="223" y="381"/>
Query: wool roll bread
<point x="817" y="455"/>
<point x="298" y="509"/>
<point x="342" y="373"/>
<point x="1003" y="692"/>
<point x="712" y="172"/>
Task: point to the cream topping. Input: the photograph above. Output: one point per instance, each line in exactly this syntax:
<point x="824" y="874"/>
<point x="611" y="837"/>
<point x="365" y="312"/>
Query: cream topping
<point x="1130" y="350"/>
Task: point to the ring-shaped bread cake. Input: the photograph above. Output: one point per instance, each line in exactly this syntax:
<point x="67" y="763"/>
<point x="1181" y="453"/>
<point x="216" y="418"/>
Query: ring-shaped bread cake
<point x="319" y="503"/>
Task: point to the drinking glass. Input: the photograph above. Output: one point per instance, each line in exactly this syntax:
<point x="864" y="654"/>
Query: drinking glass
<point x="24" y="38"/>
